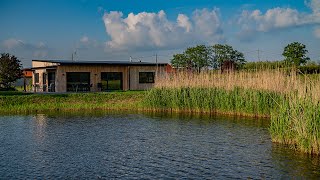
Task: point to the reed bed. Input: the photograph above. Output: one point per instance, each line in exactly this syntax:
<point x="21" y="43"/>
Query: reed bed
<point x="291" y="100"/>
<point x="268" y="80"/>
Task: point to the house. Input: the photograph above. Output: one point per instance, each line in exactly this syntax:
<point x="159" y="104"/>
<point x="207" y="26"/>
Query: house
<point x="94" y="76"/>
<point x="25" y="81"/>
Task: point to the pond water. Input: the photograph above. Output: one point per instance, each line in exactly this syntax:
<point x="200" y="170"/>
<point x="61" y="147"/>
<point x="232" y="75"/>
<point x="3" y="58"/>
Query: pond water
<point x="145" y="146"/>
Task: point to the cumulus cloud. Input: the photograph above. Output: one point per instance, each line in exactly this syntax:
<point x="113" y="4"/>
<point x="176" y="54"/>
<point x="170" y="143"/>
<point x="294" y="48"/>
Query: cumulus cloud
<point x="154" y="30"/>
<point x="279" y="18"/>
<point x="184" y="22"/>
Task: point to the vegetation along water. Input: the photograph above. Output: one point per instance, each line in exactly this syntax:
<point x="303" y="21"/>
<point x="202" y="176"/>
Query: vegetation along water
<point x="290" y="100"/>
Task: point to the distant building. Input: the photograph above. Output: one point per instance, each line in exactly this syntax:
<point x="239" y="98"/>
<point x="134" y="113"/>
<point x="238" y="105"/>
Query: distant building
<point x="25" y="82"/>
<point x="94" y="76"/>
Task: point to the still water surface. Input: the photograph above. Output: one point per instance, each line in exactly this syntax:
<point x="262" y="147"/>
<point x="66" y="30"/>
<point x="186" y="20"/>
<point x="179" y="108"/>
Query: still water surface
<point x="150" y="146"/>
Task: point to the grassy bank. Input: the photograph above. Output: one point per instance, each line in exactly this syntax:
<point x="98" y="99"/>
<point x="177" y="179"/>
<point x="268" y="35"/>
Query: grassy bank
<point x="291" y="100"/>
<point x="237" y="101"/>
<point x="296" y="122"/>
<point x="21" y="102"/>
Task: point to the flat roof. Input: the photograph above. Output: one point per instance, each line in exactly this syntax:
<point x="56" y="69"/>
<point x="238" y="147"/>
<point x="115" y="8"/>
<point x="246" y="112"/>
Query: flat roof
<point x="124" y="63"/>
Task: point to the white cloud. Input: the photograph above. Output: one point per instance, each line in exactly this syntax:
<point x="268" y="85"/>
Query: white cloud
<point x="314" y="5"/>
<point x="278" y="18"/>
<point x="184" y="22"/>
<point x="154" y="30"/>
<point x="207" y="22"/>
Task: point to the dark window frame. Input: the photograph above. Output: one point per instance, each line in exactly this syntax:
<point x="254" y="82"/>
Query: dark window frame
<point x="146" y="77"/>
<point x="110" y="76"/>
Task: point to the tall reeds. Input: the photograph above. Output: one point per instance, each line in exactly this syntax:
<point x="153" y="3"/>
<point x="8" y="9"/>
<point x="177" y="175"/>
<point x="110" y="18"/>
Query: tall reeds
<point x="292" y="100"/>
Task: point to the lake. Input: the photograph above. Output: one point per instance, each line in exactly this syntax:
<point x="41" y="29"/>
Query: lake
<point x="108" y="145"/>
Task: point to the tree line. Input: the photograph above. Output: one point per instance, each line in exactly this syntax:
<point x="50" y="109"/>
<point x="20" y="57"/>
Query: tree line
<point x="203" y="57"/>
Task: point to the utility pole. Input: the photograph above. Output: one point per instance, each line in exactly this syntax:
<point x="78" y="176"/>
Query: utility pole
<point x="73" y="54"/>
<point x="258" y="54"/>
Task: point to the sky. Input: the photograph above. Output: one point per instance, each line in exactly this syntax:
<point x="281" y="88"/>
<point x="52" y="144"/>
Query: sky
<point x="116" y="30"/>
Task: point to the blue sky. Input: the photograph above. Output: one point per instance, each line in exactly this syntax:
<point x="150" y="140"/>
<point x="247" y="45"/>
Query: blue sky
<point x="116" y="30"/>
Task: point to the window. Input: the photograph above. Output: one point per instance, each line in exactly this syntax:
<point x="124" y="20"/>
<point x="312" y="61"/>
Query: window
<point x="36" y="78"/>
<point x="146" y="77"/>
<point x="111" y="81"/>
<point x="78" y="81"/>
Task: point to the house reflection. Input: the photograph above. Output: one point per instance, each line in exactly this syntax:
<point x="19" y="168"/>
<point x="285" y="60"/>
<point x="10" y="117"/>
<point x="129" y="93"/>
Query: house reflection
<point x="39" y="127"/>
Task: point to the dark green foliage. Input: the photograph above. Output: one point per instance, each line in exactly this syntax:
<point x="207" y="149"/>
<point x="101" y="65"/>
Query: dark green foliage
<point x="181" y="61"/>
<point x="222" y="53"/>
<point x="10" y="70"/>
<point x="295" y="54"/>
<point x="201" y="56"/>
<point x="309" y="69"/>
<point x="261" y="65"/>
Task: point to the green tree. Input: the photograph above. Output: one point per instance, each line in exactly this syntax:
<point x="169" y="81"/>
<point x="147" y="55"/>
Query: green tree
<point x="221" y="53"/>
<point x="199" y="55"/>
<point x="10" y="70"/>
<point x="181" y="61"/>
<point x="195" y="58"/>
<point x="295" y="54"/>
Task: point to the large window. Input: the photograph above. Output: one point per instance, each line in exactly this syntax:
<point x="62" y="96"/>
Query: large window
<point x="146" y="77"/>
<point x="36" y="78"/>
<point x="78" y="81"/>
<point x="111" y="81"/>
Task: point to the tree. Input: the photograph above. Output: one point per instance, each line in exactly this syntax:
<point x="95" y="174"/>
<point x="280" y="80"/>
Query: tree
<point x="180" y="61"/>
<point x="295" y="54"/>
<point x="222" y="53"/>
<point x="192" y="58"/>
<point x="199" y="55"/>
<point x="10" y="70"/>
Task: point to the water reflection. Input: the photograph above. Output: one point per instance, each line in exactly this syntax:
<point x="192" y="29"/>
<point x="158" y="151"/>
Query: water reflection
<point x="39" y="130"/>
<point x="113" y="144"/>
<point x="295" y="164"/>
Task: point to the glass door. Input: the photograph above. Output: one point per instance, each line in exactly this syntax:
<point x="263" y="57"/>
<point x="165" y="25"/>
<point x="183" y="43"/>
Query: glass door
<point x="111" y="81"/>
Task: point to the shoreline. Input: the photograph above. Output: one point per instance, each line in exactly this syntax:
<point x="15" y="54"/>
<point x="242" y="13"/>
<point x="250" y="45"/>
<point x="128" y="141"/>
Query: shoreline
<point x="240" y="103"/>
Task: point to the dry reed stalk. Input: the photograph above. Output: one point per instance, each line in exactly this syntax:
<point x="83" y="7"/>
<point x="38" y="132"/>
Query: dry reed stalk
<point x="269" y="80"/>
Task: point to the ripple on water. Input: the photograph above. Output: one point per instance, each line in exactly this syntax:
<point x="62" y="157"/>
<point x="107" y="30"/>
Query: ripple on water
<point x="145" y="146"/>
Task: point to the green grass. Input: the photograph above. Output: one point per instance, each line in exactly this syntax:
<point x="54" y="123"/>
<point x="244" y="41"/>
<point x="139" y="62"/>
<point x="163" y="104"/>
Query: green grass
<point x="237" y="101"/>
<point x="294" y="121"/>
<point x="11" y="93"/>
<point x="22" y="102"/>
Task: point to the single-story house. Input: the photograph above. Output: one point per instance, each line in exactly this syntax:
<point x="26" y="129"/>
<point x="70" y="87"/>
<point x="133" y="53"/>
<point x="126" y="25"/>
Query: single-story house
<point x="94" y="76"/>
